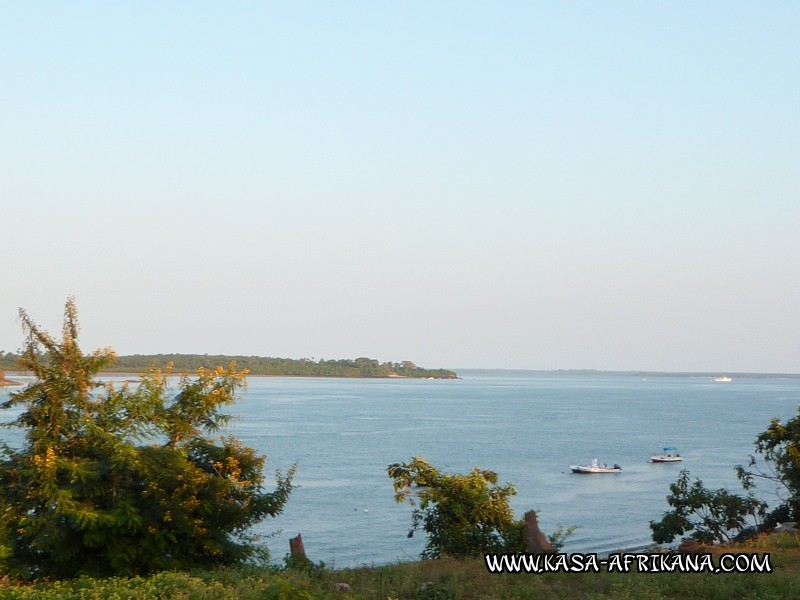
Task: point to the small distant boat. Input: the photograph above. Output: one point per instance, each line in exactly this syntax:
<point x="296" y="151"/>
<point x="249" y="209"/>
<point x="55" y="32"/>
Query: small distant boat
<point x="670" y="455"/>
<point x="595" y="467"/>
<point x="723" y="379"/>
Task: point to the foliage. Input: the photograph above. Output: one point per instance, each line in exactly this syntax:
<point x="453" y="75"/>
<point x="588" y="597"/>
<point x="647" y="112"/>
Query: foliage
<point x="167" y="586"/>
<point x="301" y="563"/>
<point x="716" y="515"/>
<point x="463" y="515"/>
<point x="260" y="365"/>
<point x="9" y="360"/>
<point x="779" y="446"/>
<point x="559" y="537"/>
<point x="434" y="591"/>
<point x="444" y="578"/>
<point x="710" y="515"/>
<point x="125" y="480"/>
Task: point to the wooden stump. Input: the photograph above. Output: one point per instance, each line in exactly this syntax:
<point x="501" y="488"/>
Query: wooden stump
<point x="535" y="541"/>
<point x="296" y="546"/>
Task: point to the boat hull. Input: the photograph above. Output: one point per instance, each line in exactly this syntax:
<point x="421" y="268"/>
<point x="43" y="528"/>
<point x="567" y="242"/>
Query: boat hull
<point x="588" y="470"/>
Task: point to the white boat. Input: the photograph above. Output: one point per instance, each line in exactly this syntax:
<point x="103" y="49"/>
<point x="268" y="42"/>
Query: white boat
<point x="595" y="467"/>
<point x="670" y="455"/>
<point x="723" y="379"/>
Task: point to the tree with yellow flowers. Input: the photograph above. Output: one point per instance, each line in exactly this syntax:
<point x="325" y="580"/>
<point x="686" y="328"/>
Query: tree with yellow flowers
<point x="119" y="480"/>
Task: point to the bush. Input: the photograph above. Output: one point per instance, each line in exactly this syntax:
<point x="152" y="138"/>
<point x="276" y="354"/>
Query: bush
<point x="463" y="515"/>
<point x="780" y="447"/>
<point x="120" y="480"/>
<point x="709" y="516"/>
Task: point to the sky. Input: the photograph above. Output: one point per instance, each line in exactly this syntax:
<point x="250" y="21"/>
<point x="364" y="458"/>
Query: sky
<point x="529" y="185"/>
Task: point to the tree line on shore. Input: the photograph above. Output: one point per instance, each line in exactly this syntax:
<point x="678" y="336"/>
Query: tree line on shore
<point x="262" y="365"/>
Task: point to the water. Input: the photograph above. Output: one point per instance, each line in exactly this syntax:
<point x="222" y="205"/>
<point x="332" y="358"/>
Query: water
<point x="529" y="429"/>
<point x="343" y="434"/>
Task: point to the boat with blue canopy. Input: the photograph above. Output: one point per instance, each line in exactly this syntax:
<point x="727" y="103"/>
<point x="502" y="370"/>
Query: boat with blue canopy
<point x="670" y="455"/>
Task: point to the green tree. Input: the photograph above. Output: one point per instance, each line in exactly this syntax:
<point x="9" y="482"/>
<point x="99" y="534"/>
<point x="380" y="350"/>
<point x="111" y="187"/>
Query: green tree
<point x="779" y="446"/>
<point x="463" y="515"/>
<point x="121" y="480"/>
<point x="709" y="516"/>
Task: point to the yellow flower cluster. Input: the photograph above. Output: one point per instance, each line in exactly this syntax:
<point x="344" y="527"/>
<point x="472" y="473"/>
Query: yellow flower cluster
<point x="46" y="463"/>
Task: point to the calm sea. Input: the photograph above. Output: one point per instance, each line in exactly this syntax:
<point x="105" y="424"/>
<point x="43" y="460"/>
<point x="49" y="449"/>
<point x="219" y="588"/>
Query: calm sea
<point x="528" y="428"/>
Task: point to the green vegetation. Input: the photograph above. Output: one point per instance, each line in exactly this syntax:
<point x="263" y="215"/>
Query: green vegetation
<point x="259" y="365"/>
<point x="114" y="481"/>
<point x="440" y="579"/>
<point x="463" y="515"/>
<point x="122" y="493"/>
<point x="779" y="446"/>
<point x="712" y="516"/>
<point x="9" y="360"/>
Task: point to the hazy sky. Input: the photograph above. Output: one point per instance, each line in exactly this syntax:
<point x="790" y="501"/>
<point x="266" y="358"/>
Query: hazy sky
<point x="609" y="185"/>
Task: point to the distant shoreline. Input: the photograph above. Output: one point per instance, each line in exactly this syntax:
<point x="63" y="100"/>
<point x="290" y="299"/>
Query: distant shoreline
<point x="570" y="372"/>
<point x="135" y="377"/>
<point x="539" y="372"/>
<point x="361" y="367"/>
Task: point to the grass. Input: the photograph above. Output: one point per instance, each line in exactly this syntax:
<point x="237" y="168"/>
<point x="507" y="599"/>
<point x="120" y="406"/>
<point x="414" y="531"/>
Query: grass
<point x="437" y="580"/>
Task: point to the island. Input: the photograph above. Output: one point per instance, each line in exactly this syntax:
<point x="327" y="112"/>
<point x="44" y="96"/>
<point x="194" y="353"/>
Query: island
<point x="264" y="365"/>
